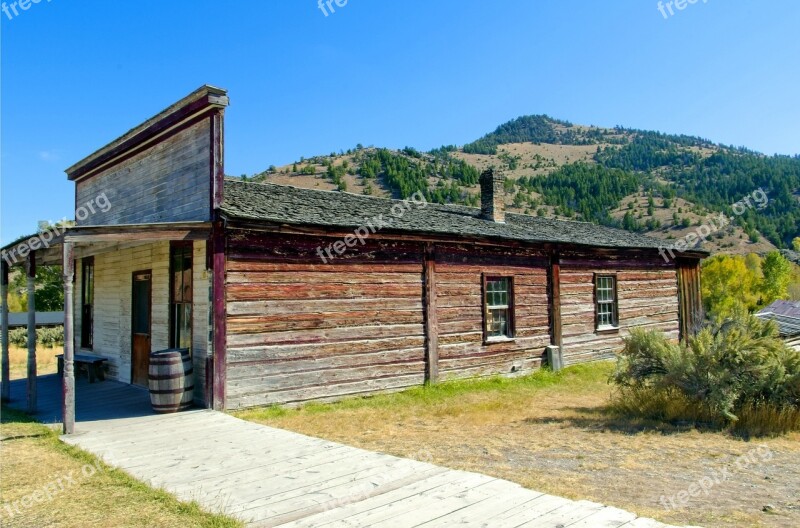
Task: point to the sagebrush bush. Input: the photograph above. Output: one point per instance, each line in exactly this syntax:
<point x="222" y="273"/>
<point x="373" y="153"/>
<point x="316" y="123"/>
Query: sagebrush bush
<point x="47" y="337"/>
<point x="18" y="337"/>
<point x="732" y="369"/>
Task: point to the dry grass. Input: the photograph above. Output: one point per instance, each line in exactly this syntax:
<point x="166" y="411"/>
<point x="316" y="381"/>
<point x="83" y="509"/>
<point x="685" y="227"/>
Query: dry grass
<point x="555" y="433"/>
<point x="33" y="458"/>
<point x="45" y="361"/>
<point x="754" y="421"/>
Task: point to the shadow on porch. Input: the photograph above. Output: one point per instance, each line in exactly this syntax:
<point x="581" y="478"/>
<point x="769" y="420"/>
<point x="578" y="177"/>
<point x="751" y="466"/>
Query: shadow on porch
<point x="105" y="400"/>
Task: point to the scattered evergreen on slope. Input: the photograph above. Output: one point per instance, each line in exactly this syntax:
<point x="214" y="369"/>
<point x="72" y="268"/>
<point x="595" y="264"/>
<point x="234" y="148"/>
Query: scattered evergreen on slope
<point x="727" y="177"/>
<point x="719" y="180"/>
<point x="527" y="129"/>
<point x="590" y="190"/>
<point x="410" y="172"/>
<point x="647" y="152"/>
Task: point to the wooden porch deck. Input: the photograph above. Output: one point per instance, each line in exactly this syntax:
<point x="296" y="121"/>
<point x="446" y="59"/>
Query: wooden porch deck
<point x="95" y="402"/>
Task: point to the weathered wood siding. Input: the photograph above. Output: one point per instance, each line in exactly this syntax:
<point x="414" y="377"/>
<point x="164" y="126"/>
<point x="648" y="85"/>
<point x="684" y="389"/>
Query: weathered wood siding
<point x="144" y="188"/>
<point x="112" y="306"/>
<point x="299" y="329"/>
<point x="459" y="306"/>
<point x="648" y="298"/>
<point x="690" y="297"/>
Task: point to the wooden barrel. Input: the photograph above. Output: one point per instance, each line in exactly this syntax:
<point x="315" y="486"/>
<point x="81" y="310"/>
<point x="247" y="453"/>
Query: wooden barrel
<point x="171" y="380"/>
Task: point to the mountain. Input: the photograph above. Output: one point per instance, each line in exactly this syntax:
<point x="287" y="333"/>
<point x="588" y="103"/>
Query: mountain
<point x="661" y="184"/>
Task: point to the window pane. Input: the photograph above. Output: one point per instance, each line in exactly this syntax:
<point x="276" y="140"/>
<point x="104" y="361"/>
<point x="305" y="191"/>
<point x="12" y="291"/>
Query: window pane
<point x="497" y="292"/>
<point x="177" y="279"/>
<point x="498" y="299"/>
<point x="181" y="309"/>
<point x="182" y="338"/>
<point x="498" y="323"/>
<point x="87" y="301"/>
<point x="186" y="294"/>
<point x="606" y="301"/>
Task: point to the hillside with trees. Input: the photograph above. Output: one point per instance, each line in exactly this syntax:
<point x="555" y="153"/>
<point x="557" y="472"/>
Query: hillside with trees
<point x="665" y="185"/>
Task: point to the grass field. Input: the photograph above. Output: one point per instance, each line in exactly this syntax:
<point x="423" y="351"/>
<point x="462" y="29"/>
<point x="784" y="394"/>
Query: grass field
<point x="555" y="433"/>
<point x="44" y="482"/>
<point x="45" y="361"/>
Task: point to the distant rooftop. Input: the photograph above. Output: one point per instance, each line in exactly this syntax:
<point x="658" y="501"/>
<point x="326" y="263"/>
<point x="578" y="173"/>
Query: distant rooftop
<point x="786" y="314"/>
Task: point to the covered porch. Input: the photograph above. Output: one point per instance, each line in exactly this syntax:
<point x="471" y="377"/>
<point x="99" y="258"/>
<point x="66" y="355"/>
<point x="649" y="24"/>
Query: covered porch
<point x="94" y="402"/>
<point x="109" y="321"/>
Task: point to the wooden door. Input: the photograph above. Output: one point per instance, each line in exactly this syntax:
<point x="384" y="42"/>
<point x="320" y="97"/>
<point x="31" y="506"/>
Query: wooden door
<point x="140" y="327"/>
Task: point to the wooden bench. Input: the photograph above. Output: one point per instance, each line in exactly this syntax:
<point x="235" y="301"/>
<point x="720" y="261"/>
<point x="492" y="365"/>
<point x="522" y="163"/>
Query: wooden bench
<point x="94" y="365"/>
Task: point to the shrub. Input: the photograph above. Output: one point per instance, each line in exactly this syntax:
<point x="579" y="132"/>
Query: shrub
<point x="47" y="337"/>
<point x="735" y="372"/>
<point x="18" y="337"/>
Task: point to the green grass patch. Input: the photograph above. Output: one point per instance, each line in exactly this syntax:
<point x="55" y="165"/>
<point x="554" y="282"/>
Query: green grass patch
<point x="443" y="395"/>
<point x="21" y="433"/>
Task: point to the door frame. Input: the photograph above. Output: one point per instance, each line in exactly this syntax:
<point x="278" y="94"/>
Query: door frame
<point x="133" y="314"/>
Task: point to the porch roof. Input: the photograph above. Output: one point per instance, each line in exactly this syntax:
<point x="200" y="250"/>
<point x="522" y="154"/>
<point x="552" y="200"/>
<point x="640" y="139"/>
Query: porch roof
<point x="48" y="244"/>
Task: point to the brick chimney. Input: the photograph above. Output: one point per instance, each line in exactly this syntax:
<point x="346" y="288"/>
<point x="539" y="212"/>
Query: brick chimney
<point x="493" y="206"/>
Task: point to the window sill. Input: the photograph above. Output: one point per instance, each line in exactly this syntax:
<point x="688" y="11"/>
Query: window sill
<point x="496" y="340"/>
<point x="603" y="330"/>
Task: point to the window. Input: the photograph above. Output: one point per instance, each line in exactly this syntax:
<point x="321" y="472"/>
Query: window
<point x="606" y="301"/>
<point x="498" y="308"/>
<point x="180" y="313"/>
<point x="87" y="302"/>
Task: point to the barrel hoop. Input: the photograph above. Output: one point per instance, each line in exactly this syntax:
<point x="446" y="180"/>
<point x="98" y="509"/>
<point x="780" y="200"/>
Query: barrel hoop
<point x="164" y="377"/>
<point x="171" y="391"/>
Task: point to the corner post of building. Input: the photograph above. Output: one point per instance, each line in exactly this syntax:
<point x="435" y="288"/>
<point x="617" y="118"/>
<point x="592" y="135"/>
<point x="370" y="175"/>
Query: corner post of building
<point x="6" y="372"/>
<point x="690" y="301"/>
<point x="30" y="269"/>
<point x="431" y="323"/>
<point x="554" y="283"/>
<point x="68" y="380"/>
<point x="219" y="311"/>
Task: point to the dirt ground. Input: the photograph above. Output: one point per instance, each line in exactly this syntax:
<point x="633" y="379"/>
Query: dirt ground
<point x="559" y="439"/>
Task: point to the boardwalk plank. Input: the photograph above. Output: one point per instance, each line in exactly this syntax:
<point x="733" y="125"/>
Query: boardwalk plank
<point x="271" y="477"/>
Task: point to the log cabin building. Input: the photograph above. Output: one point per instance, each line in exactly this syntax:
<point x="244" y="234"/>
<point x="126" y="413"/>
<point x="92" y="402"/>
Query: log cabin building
<point x="285" y="295"/>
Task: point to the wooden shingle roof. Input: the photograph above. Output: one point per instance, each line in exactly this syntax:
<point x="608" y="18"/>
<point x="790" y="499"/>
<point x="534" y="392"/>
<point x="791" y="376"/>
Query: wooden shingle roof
<point x="282" y="204"/>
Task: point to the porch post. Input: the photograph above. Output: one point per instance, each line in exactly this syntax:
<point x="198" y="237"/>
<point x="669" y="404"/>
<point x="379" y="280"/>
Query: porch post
<point x="68" y="380"/>
<point x="6" y="376"/>
<point x="31" y="274"/>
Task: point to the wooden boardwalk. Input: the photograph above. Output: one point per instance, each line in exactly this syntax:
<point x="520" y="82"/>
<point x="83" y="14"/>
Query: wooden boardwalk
<point x="270" y="477"/>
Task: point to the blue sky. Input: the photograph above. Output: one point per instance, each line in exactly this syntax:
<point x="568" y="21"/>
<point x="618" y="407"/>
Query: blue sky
<point x="422" y="73"/>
